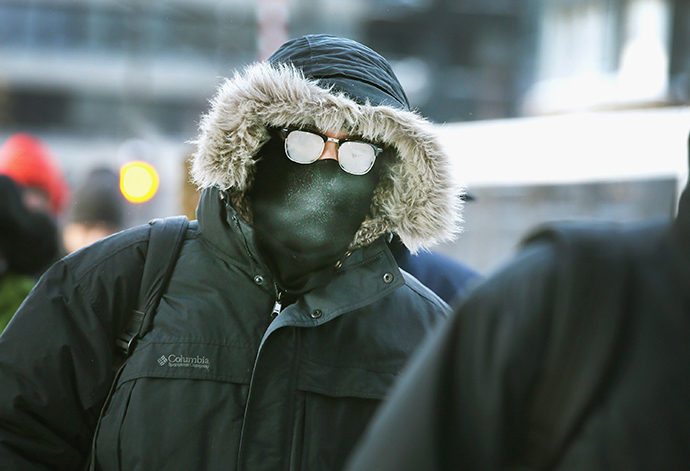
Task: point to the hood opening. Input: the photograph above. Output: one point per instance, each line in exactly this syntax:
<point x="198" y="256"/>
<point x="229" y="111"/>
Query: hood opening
<point x="417" y="197"/>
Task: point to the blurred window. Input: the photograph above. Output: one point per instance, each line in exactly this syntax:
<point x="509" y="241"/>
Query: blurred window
<point x="177" y="117"/>
<point x="56" y="26"/>
<point x="14" y="18"/>
<point x="75" y="27"/>
<point x="394" y="35"/>
<point x="109" y="29"/>
<point x="114" y="27"/>
<point x="187" y="31"/>
<point x="96" y="113"/>
<point x="38" y="108"/>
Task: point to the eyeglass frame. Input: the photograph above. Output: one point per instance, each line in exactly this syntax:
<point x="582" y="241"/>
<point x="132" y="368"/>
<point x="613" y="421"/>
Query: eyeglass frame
<point x="285" y="131"/>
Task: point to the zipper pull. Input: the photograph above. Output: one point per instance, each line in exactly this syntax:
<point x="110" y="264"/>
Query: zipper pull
<point x="278" y="306"/>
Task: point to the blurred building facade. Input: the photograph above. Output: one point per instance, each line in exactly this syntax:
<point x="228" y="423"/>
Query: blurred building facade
<point x="485" y="59"/>
<point x="128" y="67"/>
<point x="106" y="81"/>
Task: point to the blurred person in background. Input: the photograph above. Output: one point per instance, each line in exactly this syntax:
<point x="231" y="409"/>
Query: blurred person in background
<point x="286" y="318"/>
<point x="450" y="279"/>
<point x="575" y="356"/>
<point x="445" y="276"/>
<point x="97" y="210"/>
<point x="28" y="161"/>
<point x="33" y="193"/>
<point x="28" y="244"/>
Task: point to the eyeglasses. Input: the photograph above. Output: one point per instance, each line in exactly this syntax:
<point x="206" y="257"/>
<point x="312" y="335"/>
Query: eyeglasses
<point x="305" y="147"/>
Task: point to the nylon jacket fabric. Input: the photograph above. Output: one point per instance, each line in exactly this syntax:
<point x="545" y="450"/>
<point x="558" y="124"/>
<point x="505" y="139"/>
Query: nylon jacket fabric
<point x="218" y="383"/>
<point x="480" y="393"/>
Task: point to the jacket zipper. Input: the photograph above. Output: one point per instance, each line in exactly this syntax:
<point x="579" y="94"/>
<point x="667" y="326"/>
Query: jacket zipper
<point x="278" y="305"/>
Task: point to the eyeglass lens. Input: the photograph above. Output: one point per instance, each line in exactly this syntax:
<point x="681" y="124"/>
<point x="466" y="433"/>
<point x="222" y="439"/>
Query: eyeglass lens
<point x="306" y="147"/>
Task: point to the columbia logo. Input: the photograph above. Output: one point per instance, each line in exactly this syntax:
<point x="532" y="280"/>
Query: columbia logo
<point x="181" y="361"/>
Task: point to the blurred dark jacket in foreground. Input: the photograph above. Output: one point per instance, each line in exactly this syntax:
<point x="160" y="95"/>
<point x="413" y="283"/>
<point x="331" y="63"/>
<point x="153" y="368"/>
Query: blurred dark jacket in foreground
<point x="575" y="356"/>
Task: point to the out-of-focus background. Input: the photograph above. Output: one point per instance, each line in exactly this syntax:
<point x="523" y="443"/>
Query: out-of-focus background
<point x="550" y="109"/>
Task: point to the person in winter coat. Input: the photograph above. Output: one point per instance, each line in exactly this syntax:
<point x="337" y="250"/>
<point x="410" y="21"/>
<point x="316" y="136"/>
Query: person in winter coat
<point x="33" y="193"/>
<point x="97" y="211"/>
<point x="28" y="161"/>
<point x="448" y="278"/>
<point x="285" y="320"/>
<point x="573" y="357"/>
<point x="28" y="244"/>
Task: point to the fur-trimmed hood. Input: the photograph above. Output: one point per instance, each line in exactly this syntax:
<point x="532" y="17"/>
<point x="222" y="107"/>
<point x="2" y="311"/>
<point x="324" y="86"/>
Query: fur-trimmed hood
<point x="417" y="197"/>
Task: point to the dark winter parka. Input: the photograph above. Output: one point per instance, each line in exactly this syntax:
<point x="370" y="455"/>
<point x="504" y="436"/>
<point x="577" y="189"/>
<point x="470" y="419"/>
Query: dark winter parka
<point x="219" y="382"/>
<point x="572" y="357"/>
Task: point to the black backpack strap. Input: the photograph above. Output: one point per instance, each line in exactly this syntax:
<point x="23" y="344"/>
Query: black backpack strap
<point x="165" y="241"/>
<point x="585" y="338"/>
<point x="167" y="236"/>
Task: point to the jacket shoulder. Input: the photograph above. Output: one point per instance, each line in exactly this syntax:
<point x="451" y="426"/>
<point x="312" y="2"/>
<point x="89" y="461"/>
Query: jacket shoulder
<point x="121" y="249"/>
<point x="604" y="240"/>
<point x="425" y="294"/>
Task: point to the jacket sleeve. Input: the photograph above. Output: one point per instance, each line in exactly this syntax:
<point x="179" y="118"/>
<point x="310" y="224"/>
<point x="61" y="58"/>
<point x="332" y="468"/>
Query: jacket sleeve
<point x="56" y="357"/>
<point x="449" y="409"/>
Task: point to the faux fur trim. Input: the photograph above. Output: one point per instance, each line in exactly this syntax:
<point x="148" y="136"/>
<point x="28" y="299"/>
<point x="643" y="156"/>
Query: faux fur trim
<point x="417" y="197"/>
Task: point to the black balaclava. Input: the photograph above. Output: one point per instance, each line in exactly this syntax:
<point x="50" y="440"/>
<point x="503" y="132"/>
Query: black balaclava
<point x="305" y="216"/>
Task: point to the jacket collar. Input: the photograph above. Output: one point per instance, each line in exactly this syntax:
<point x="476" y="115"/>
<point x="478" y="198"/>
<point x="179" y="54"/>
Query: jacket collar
<point x="367" y="275"/>
<point x="225" y="234"/>
<point x="362" y="276"/>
